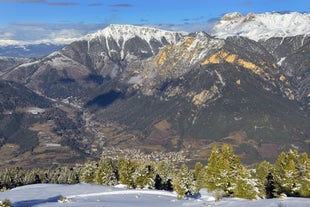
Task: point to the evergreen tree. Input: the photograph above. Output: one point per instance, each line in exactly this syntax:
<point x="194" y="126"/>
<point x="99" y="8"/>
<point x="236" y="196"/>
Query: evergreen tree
<point x="213" y="171"/>
<point x="126" y="169"/>
<point x="265" y="179"/>
<point x="88" y="172"/>
<point x="245" y="186"/>
<point x="164" y="173"/>
<point x="30" y="177"/>
<point x="200" y="175"/>
<point x="198" y="168"/>
<point x="222" y="169"/>
<point x="144" y="175"/>
<point x="19" y="177"/>
<point x="270" y="186"/>
<point x="106" y="172"/>
<point x="183" y="182"/>
<point x="226" y="173"/>
<point x="7" y="179"/>
<point x="201" y="179"/>
<point x="287" y="174"/>
<point x="72" y="176"/>
<point x="62" y="177"/>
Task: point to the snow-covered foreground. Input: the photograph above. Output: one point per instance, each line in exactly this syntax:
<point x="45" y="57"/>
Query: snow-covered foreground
<point x="100" y="196"/>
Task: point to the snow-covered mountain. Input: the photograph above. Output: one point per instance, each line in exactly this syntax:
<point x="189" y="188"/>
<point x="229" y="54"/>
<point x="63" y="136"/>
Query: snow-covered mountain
<point x="262" y="26"/>
<point x="122" y="33"/>
<point x="132" y="40"/>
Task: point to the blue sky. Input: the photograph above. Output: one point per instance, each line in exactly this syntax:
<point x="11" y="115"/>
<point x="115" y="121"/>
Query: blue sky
<point x="61" y="20"/>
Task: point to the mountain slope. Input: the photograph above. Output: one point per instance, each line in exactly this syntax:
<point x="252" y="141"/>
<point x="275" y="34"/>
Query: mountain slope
<point x="8" y="63"/>
<point x="228" y="97"/>
<point x="139" y="87"/>
<point x="33" y="129"/>
<point x="98" y="57"/>
<point x="292" y="55"/>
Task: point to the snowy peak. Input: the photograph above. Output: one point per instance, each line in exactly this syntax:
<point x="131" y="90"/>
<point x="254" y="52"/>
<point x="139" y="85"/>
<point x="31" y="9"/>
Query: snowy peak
<point x="126" y="32"/>
<point x="262" y="26"/>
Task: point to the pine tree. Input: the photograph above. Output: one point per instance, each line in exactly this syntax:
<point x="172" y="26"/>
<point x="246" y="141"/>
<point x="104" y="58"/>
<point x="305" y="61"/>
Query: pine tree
<point x="270" y="186"/>
<point x="88" y="172"/>
<point x="265" y="179"/>
<point x="144" y="175"/>
<point x="184" y="183"/>
<point x="213" y="171"/>
<point x="198" y="168"/>
<point x="226" y="173"/>
<point x="29" y="177"/>
<point x="245" y="186"/>
<point x="7" y="179"/>
<point x="287" y="173"/>
<point x="164" y="173"/>
<point x="106" y="172"/>
<point x="222" y="169"/>
<point x="126" y="169"/>
<point x="72" y="176"/>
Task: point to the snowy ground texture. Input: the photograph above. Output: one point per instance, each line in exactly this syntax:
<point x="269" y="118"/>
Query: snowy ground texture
<point x="83" y="195"/>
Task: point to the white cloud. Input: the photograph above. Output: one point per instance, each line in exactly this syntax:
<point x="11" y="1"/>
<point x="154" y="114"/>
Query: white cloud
<point x="6" y="35"/>
<point x="32" y="33"/>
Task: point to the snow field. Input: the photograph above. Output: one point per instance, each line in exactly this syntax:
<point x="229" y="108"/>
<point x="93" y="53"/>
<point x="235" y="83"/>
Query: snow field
<point x="49" y="195"/>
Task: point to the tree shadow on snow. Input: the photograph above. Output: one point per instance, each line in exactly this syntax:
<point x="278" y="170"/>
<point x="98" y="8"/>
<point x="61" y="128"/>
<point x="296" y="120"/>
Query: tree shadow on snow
<point x="36" y="202"/>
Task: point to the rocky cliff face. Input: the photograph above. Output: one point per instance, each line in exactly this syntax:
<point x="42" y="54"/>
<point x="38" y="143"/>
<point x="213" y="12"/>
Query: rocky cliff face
<point x="292" y="55"/>
<point x="131" y="86"/>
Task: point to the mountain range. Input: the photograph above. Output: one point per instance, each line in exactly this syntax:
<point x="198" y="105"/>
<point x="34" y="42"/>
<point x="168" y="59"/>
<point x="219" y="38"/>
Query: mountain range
<point x="28" y="50"/>
<point x="154" y="90"/>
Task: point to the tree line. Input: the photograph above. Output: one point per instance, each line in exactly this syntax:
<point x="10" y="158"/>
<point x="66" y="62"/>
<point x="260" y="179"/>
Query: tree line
<point x="224" y="174"/>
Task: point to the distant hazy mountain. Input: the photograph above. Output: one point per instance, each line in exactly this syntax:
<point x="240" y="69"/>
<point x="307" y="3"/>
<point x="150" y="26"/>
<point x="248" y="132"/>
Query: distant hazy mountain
<point x="140" y="87"/>
<point x="28" y="51"/>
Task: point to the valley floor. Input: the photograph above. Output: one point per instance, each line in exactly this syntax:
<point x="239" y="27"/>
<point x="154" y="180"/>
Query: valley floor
<point x="81" y="195"/>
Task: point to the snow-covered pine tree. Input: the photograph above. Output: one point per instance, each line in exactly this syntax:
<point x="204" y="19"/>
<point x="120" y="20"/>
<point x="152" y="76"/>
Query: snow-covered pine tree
<point x="126" y="169"/>
<point x="164" y="173"/>
<point x="72" y="176"/>
<point x="31" y="177"/>
<point x="245" y="186"/>
<point x="144" y="175"/>
<point x="222" y="169"/>
<point x="62" y="175"/>
<point x="106" y="172"/>
<point x="88" y="172"/>
<point x="287" y="173"/>
<point x="226" y="173"/>
<point x="183" y="182"/>
<point x="6" y="179"/>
